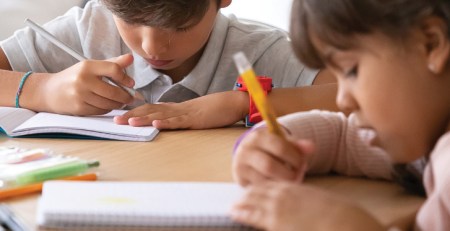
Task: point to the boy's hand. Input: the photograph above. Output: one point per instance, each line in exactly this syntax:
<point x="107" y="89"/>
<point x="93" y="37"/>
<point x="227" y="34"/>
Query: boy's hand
<point x="263" y="156"/>
<point x="209" y="111"/>
<point x="80" y="90"/>
<point x="281" y="206"/>
<point x="162" y="116"/>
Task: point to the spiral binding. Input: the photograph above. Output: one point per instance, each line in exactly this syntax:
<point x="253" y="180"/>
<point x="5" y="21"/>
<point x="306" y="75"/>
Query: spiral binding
<point x="131" y="222"/>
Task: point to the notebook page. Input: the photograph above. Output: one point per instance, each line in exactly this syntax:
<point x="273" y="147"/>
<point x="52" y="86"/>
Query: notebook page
<point x="101" y="123"/>
<point x="11" y="118"/>
<point x="137" y="203"/>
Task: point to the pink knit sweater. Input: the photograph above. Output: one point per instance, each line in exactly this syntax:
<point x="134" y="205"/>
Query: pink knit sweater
<point x="343" y="148"/>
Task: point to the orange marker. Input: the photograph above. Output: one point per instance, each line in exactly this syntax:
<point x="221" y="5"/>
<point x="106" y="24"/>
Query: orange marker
<point x="37" y="187"/>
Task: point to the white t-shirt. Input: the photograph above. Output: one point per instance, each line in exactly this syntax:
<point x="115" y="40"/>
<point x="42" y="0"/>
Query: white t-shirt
<point x="92" y="32"/>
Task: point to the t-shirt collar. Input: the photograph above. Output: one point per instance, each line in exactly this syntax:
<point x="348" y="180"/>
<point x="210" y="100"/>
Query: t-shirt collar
<point x="142" y="72"/>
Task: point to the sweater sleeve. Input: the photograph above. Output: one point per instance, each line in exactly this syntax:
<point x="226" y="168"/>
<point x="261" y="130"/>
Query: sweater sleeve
<point x="435" y="212"/>
<point x="341" y="147"/>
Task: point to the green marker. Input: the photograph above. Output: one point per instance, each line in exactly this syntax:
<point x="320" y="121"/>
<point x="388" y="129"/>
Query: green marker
<point x="53" y="172"/>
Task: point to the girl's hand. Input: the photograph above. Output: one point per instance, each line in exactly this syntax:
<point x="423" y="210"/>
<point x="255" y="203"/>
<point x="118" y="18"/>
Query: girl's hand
<point x="281" y="206"/>
<point x="263" y="156"/>
<point x="80" y="90"/>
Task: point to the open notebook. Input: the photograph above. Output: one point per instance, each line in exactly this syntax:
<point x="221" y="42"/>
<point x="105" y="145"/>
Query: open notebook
<point x="17" y="122"/>
<point x="128" y="205"/>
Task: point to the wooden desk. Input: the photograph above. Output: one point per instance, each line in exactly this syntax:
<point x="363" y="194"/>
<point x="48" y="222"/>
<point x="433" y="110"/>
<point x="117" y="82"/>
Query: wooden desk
<point x="203" y="156"/>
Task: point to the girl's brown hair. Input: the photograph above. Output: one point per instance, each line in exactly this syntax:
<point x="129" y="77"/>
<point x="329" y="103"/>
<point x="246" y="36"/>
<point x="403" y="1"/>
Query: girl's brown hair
<point x="335" y="22"/>
<point x="160" y="13"/>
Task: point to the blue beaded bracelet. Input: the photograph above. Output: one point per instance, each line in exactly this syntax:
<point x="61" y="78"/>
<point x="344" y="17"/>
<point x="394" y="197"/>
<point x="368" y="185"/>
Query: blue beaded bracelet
<point x="19" y="90"/>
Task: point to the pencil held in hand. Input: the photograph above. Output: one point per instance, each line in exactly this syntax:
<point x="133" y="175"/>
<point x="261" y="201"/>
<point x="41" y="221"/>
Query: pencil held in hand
<point x="262" y="103"/>
<point x="139" y="98"/>
<point x="257" y="93"/>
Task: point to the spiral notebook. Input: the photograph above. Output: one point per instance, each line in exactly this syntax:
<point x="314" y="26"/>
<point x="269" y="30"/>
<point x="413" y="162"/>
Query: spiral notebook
<point x="131" y="205"/>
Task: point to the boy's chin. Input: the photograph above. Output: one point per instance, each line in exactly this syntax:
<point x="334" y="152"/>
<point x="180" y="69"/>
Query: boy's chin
<point x="160" y="64"/>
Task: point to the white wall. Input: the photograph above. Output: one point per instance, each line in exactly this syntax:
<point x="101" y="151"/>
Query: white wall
<point x="14" y="12"/>
<point x="274" y="12"/>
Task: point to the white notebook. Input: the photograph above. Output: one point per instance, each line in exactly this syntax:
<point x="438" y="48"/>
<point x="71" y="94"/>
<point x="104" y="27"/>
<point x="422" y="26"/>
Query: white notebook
<point x="19" y="122"/>
<point x="204" y="206"/>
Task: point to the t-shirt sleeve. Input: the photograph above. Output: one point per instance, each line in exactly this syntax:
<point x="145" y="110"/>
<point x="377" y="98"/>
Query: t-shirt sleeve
<point x="27" y="50"/>
<point x="279" y="62"/>
<point x="341" y="147"/>
<point x="83" y="30"/>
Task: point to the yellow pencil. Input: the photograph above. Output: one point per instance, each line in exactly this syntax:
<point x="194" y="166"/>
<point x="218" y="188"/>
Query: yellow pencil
<point x="257" y="93"/>
<point x="37" y="187"/>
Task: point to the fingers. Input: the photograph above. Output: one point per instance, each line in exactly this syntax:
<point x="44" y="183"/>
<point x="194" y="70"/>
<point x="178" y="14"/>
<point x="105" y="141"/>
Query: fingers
<point x="101" y="102"/>
<point x="121" y="62"/>
<point x="248" y="175"/>
<point x="274" y="206"/>
<point x="85" y="109"/>
<point x="139" y="116"/>
<point x="264" y="156"/>
<point x="81" y="91"/>
<point x="307" y="148"/>
<point x="270" y="154"/>
<point x="161" y="116"/>
<point x="254" y="208"/>
<point x="179" y="122"/>
<point x="114" y="72"/>
<point x="111" y="92"/>
<point x="269" y="167"/>
<point x="111" y="70"/>
<point x="279" y="148"/>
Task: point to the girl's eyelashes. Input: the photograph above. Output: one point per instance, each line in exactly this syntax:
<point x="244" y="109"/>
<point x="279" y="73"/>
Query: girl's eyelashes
<point x="182" y="29"/>
<point x="352" y="73"/>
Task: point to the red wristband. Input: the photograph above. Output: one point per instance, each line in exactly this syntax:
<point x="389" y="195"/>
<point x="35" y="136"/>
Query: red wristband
<point x="254" y="116"/>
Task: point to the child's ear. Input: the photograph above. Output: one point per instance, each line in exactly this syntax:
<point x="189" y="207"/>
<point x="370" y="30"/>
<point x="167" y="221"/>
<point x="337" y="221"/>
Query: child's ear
<point x="438" y="43"/>
<point x="224" y="3"/>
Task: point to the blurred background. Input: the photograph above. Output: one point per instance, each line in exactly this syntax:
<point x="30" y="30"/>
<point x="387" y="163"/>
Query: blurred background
<point x="273" y="12"/>
<point x="14" y="12"/>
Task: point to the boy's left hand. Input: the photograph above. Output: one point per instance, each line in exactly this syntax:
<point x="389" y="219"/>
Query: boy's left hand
<point x="209" y="111"/>
<point x="161" y="116"/>
<point x="281" y="206"/>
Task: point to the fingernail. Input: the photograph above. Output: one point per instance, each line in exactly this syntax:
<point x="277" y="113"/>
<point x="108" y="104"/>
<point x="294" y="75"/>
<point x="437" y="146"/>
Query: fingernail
<point x="130" y="82"/>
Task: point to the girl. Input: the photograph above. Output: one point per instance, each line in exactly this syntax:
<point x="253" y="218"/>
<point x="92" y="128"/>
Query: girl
<point x="391" y="60"/>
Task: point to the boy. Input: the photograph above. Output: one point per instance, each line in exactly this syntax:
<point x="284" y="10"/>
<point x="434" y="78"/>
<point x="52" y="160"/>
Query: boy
<point x="180" y="51"/>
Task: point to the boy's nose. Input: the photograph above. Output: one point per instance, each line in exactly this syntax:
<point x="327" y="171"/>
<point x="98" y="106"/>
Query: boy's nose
<point x="156" y="42"/>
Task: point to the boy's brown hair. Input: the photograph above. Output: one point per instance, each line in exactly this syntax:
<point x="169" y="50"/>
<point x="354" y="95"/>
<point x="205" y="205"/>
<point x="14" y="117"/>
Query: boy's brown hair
<point x="160" y="13"/>
<point x="335" y="21"/>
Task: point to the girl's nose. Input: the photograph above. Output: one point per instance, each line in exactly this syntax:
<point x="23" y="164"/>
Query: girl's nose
<point x="344" y="99"/>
